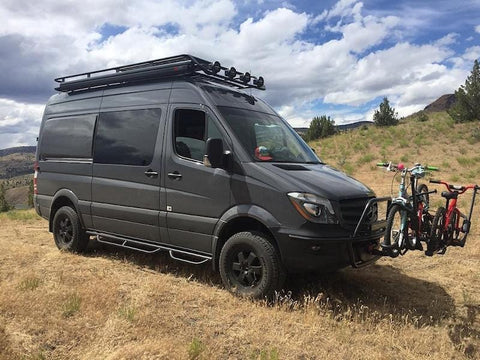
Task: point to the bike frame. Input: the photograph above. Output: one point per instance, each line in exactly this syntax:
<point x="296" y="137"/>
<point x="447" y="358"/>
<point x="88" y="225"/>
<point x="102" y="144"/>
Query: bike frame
<point x="413" y="210"/>
<point x="451" y="208"/>
<point x="413" y="207"/>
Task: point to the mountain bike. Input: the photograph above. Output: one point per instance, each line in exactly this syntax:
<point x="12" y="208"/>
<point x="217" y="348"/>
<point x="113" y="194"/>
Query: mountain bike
<point x="446" y="228"/>
<point x="408" y="220"/>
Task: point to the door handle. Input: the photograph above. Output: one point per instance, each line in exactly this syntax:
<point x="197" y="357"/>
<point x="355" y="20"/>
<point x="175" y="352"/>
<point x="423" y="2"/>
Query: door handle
<point x="151" y="173"/>
<point x="175" y="175"/>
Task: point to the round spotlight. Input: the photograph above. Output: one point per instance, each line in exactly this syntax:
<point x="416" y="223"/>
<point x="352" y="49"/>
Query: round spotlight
<point x="245" y="78"/>
<point x="231" y="73"/>
<point x="216" y="67"/>
<point x="259" y="82"/>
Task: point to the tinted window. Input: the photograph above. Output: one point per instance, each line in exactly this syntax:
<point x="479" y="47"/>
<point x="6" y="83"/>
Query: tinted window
<point x="68" y="137"/>
<point x="126" y="137"/>
<point x="192" y="128"/>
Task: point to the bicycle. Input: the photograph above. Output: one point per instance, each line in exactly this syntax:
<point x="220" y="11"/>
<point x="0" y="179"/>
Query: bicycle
<point x="408" y="219"/>
<point x="446" y="227"/>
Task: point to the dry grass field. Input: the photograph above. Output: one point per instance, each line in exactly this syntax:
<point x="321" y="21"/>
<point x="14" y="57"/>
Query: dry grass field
<point x="111" y="304"/>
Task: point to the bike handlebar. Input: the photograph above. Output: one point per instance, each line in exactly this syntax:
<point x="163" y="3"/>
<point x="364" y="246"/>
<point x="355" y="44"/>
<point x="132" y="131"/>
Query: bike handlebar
<point x="456" y="188"/>
<point x="402" y="167"/>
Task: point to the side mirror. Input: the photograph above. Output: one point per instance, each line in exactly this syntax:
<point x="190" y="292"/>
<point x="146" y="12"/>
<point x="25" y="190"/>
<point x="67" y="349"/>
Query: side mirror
<point x="214" y="153"/>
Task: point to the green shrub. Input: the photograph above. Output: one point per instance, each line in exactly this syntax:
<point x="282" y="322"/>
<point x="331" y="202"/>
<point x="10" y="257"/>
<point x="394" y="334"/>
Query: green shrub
<point x="195" y="349"/>
<point x="422" y="116"/>
<point x="72" y="305"/>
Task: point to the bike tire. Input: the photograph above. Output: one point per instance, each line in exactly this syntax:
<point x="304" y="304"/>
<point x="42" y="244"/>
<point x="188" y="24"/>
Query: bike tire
<point x="452" y="232"/>
<point x="396" y="237"/>
<point x="437" y="234"/>
<point x="425" y="199"/>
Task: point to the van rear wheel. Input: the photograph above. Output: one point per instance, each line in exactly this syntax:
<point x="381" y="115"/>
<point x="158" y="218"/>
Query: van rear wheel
<point x="250" y="266"/>
<point x="67" y="231"/>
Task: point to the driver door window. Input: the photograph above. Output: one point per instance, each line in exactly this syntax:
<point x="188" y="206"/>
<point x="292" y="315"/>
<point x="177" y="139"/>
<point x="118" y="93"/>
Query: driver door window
<point x="191" y="129"/>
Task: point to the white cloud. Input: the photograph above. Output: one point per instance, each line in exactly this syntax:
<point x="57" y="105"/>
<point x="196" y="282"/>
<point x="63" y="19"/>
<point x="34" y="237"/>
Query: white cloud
<point x="471" y="54"/>
<point x="477" y="29"/>
<point x="447" y="40"/>
<point x="19" y="123"/>
<point x="344" y="8"/>
<point x="358" y="63"/>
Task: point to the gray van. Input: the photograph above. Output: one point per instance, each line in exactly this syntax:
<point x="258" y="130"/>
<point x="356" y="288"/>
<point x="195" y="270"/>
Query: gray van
<point x="171" y="155"/>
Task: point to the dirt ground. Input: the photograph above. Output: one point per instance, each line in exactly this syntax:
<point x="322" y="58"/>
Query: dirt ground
<point x="111" y="304"/>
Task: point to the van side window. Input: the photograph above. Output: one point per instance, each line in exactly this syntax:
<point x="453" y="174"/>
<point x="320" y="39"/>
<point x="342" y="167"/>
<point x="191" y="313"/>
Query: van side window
<point x="189" y="133"/>
<point x="192" y="128"/>
<point x="68" y="137"/>
<point x="126" y="137"/>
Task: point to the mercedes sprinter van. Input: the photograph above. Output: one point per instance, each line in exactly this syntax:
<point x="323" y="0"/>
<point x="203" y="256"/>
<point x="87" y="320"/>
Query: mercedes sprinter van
<point x="172" y="155"/>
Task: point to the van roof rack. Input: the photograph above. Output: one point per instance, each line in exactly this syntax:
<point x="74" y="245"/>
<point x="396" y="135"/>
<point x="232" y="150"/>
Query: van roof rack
<point x="174" y="66"/>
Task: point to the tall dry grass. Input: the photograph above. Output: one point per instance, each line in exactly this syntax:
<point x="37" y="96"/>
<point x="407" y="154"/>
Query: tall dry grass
<point x="111" y="304"/>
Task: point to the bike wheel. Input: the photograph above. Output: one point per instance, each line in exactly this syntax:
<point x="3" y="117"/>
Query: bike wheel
<point x="425" y="198"/>
<point x="396" y="229"/>
<point x="436" y="241"/>
<point x="452" y="232"/>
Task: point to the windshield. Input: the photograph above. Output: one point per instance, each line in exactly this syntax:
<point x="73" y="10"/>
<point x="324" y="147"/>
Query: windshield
<point x="267" y="137"/>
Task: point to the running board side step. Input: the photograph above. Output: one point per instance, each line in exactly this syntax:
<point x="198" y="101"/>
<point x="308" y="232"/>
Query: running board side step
<point x="149" y="248"/>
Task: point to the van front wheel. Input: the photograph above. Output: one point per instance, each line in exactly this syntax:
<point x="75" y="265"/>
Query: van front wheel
<point x="67" y="231"/>
<point x="249" y="266"/>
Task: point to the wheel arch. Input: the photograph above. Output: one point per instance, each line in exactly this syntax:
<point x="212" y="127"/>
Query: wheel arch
<point x="63" y="197"/>
<point x="243" y="218"/>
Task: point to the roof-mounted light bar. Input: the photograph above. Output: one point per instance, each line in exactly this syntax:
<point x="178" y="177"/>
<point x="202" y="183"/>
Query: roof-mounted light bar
<point x="175" y="66"/>
<point x="233" y="74"/>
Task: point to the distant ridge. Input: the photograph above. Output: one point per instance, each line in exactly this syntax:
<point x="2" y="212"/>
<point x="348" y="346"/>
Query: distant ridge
<point x="18" y="149"/>
<point x="443" y="103"/>
<point x="353" y="125"/>
<point x="16" y="161"/>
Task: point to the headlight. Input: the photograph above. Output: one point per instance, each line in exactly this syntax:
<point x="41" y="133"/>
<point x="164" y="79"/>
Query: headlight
<point x="313" y="208"/>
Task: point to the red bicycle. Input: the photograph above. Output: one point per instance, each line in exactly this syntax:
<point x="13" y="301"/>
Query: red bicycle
<point x="446" y="229"/>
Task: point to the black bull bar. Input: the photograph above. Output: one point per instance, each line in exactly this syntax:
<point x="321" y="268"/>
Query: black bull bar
<point x="359" y="255"/>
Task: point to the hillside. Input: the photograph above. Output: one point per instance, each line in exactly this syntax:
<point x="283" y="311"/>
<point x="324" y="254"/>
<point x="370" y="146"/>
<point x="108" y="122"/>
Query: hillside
<point x="115" y="304"/>
<point x="17" y="197"/>
<point x="438" y="141"/>
<point x="18" y="149"/>
<point x="16" y="161"/>
<point x="443" y="103"/>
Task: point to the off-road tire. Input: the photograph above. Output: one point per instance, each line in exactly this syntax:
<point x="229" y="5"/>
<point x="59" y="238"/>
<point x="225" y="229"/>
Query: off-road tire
<point x="250" y="266"/>
<point x="67" y="231"/>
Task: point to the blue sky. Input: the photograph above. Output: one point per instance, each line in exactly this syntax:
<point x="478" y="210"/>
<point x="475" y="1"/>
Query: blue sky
<point x="335" y="58"/>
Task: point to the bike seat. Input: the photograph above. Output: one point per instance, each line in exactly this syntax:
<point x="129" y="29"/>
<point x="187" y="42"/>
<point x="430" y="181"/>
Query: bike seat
<point x="450" y="195"/>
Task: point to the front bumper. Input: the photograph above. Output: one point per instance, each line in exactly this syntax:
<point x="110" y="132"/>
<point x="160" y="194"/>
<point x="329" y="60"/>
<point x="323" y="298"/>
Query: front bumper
<point x="331" y="248"/>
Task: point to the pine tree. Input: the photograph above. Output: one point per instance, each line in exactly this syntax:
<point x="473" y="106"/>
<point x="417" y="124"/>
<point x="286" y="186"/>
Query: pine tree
<point x="30" y="194"/>
<point x="3" y="202"/>
<point x="467" y="98"/>
<point x="320" y="127"/>
<point x="386" y="115"/>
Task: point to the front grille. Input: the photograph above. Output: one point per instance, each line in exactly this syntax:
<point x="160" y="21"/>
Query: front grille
<point x="351" y="210"/>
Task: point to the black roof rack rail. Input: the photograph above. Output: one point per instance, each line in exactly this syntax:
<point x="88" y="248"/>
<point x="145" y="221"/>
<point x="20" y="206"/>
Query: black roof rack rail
<point x="174" y="66"/>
